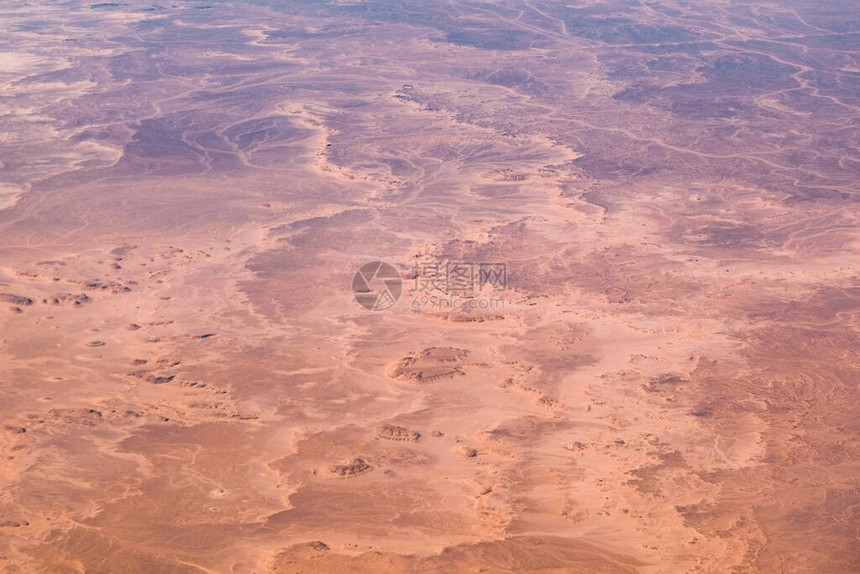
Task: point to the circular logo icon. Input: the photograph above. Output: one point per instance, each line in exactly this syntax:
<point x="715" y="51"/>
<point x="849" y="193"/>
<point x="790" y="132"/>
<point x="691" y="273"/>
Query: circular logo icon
<point x="377" y="286"/>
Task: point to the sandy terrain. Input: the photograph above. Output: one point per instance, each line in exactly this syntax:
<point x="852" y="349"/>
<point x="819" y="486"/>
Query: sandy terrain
<point x="665" y="381"/>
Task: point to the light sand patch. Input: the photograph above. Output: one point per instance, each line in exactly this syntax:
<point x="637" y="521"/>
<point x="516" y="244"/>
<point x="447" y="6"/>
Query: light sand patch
<point x="15" y="62"/>
<point x="9" y="195"/>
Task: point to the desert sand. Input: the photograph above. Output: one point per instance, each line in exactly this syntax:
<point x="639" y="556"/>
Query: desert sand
<point x="665" y="381"/>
